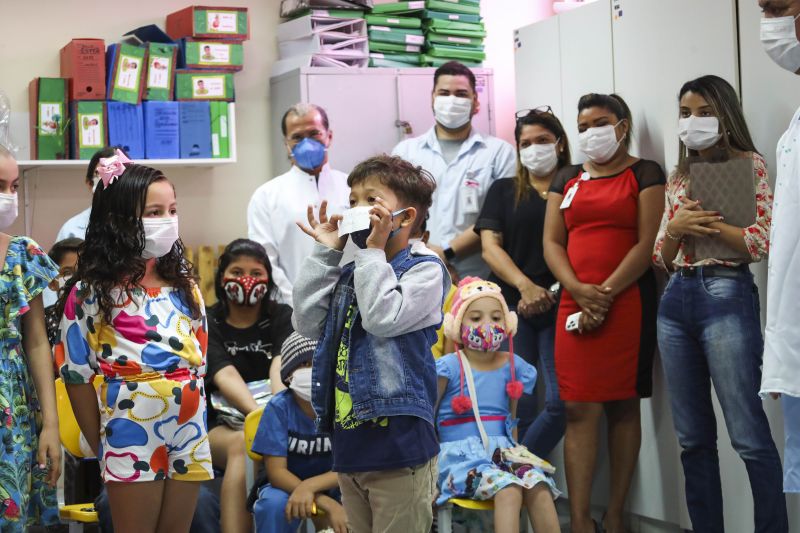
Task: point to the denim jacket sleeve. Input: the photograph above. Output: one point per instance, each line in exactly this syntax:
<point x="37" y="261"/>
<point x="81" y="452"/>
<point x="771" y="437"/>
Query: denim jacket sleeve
<point x="312" y="290"/>
<point x="390" y="307"/>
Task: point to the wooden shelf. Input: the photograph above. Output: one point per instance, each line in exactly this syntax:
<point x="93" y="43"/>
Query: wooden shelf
<point x="62" y="164"/>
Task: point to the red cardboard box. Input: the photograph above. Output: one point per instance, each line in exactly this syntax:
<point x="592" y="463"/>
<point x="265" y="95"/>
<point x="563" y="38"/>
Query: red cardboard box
<point x="83" y="63"/>
<point x="206" y="22"/>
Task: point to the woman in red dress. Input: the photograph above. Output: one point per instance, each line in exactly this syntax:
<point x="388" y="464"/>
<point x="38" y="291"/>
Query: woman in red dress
<point x="601" y="223"/>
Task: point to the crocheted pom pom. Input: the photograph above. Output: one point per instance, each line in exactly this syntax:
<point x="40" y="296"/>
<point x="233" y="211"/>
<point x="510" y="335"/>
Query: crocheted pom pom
<point x="461" y="404"/>
<point x="514" y="389"/>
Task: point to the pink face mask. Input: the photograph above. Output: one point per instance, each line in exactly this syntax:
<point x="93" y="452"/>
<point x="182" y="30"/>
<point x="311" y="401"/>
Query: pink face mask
<point x="245" y="290"/>
<point x="484" y="338"/>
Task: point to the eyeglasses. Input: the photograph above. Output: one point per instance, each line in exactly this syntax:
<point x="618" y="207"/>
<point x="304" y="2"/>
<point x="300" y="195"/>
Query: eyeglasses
<point x="541" y="110"/>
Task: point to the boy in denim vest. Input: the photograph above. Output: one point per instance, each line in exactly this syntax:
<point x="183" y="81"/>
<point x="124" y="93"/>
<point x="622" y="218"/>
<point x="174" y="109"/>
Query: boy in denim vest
<point x="374" y="379"/>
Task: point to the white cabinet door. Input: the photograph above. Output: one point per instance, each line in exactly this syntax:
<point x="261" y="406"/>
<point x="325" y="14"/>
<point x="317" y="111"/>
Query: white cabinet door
<point x="537" y="66"/>
<point x="415" y="87"/>
<point x="362" y="108"/>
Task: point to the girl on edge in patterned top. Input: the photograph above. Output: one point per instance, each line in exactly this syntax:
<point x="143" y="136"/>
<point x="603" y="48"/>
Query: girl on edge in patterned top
<point x="133" y="314"/>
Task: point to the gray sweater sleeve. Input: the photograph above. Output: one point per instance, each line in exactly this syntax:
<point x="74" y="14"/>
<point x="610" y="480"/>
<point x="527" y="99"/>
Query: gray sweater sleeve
<point x="312" y="290"/>
<point x="390" y="307"/>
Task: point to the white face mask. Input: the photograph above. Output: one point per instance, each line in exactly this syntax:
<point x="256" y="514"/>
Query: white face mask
<point x="779" y="38"/>
<point x="599" y="144"/>
<point x="699" y="133"/>
<point x="540" y="159"/>
<point x="8" y="209"/>
<point x="160" y="235"/>
<point x="301" y="383"/>
<point x="452" y="112"/>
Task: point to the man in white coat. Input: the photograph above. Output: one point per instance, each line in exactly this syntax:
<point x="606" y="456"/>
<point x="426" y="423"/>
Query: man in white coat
<point x="277" y="205"/>
<point x="780" y="34"/>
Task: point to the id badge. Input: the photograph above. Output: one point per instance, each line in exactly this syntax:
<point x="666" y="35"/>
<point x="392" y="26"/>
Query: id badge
<point x="469" y="197"/>
<point x="567" y="201"/>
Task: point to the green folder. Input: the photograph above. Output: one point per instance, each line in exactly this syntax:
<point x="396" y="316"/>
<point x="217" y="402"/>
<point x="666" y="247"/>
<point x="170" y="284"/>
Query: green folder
<point x="447" y="26"/>
<point x="387" y="63"/>
<point x="332" y="13"/>
<point x="399" y="22"/>
<point x="395" y="35"/>
<point x="453" y="6"/>
<point x="399" y="7"/>
<point x="411" y="59"/>
<point x="431" y="61"/>
<point x="89" y="128"/>
<point x="453" y="40"/>
<point x="220" y="145"/>
<point x="126" y="80"/>
<point x="375" y="46"/>
<point x="460" y="17"/>
<point x="51" y="117"/>
<point x="158" y="84"/>
<point x="453" y="52"/>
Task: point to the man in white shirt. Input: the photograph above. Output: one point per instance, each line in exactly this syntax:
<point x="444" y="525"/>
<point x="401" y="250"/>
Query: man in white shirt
<point x="780" y="34"/>
<point x="464" y="164"/>
<point x="277" y="205"/>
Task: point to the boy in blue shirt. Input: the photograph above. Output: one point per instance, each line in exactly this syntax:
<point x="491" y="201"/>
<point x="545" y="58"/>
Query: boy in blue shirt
<point x="374" y="378"/>
<point x="296" y="456"/>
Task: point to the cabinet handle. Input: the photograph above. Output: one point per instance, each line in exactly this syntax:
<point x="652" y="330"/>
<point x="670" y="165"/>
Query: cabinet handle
<point x="407" y="129"/>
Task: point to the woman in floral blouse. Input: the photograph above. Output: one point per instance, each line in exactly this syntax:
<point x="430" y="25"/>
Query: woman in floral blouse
<point x="709" y="327"/>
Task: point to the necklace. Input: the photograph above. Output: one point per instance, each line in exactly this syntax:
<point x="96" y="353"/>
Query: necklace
<point x="542" y="193"/>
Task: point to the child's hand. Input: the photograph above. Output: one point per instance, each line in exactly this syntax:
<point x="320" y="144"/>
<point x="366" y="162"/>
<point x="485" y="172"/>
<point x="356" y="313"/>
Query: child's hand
<point x="301" y="503"/>
<point x="337" y="518"/>
<point x="381" y="217"/>
<point x="325" y="231"/>
<point x="50" y="452"/>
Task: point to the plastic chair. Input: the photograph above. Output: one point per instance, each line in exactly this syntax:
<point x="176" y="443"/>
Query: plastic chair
<point x="445" y="512"/>
<point x="251" y="422"/>
<point x="79" y="514"/>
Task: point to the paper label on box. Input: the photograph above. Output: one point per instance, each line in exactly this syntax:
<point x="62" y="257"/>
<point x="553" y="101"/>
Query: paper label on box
<point x="222" y="21"/>
<point x="393" y="21"/>
<point x="91" y="127"/>
<point x="128" y="72"/>
<point x="416" y="5"/>
<point x="223" y="126"/>
<point x="208" y="86"/>
<point x="214" y="53"/>
<point x="412" y="48"/>
<point x="462" y="40"/>
<point x="415" y="39"/>
<point x="380" y="28"/>
<point x="158" y="74"/>
<point x="50" y="117"/>
<point x="454" y="17"/>
<point x="215" y="144"/>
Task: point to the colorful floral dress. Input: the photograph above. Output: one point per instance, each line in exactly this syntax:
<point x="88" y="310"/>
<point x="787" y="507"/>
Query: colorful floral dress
<point x="25" y="497"/>
<point x="466" y="469"/>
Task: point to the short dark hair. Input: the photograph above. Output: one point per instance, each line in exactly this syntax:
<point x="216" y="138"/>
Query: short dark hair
<point x="454" y="68"/>
<point x="301" y="109"/>
<point x="63" y="247"/>
<point x="609" y="102"/>
<point x="412" y="184"/>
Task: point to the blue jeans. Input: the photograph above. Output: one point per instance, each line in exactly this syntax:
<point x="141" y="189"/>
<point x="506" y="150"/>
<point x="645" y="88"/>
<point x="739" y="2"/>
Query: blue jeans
<point x="205" y="519"/>
<point x="269" y="512"/>
<point x="709" y="330"/>
<point x="541" y="433"/>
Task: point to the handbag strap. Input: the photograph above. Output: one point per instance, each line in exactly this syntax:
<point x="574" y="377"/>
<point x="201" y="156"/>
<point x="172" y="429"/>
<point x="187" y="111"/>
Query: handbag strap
<point x="474" y="396"/>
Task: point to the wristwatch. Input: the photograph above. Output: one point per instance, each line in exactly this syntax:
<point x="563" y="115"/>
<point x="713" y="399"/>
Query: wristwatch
<point x="449" y="254"/>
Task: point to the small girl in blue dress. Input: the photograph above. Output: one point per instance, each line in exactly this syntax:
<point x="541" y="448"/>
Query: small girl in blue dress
<point x="482" y="461"/>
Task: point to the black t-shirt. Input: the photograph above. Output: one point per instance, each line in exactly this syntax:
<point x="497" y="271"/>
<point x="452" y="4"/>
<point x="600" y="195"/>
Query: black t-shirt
<point x="249" y="350"/>
<point x="522" y="227"/>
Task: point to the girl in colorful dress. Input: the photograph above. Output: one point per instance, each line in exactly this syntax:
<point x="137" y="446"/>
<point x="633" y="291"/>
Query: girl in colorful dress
<point x="133" y="314"/>
<point x="30" y="457"/>
<point x="480" y="458"/>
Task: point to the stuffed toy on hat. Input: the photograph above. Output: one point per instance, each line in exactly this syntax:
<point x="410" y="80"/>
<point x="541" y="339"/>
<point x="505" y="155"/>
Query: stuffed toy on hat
<point x="486" y="338"/>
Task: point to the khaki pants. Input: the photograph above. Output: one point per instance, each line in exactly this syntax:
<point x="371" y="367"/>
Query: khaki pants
<point x="390" y="501"/>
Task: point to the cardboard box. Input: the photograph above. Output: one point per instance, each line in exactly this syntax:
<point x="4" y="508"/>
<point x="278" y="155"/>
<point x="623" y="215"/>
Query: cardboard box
<point x="83" y="63"/>
<point x="204" y="85"/>
<point x="160" y="74"/>
<point x="200" y="54"/>
<point x="161" y="130"/>
<point x="89" y="127"/>
<point x="206" y="22"/>
<point x="126" y="66"/>
<point x="49" y="118"/>
<point x="126" y="128"/>
<point x="220" y="140"/>
<point x="195" y="130"/>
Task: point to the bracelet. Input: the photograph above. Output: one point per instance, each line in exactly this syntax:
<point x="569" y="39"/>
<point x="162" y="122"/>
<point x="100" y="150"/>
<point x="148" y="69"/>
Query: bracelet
<point x="671" y="236"/>
<point x="449" y="254"/>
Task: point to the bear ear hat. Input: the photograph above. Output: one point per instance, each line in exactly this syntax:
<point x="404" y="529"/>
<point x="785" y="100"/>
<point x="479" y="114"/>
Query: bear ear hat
<point x="469" y="290"/>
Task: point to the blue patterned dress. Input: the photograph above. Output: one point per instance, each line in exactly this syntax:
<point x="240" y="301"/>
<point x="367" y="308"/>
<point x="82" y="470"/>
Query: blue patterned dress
<point x="25" y="497"/>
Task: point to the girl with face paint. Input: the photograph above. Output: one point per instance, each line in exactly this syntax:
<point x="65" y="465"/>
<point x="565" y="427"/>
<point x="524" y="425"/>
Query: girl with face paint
<point x="246" y="329"/>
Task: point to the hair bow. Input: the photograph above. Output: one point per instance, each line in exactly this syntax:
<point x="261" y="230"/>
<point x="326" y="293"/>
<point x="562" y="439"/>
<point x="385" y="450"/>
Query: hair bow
<point x="110" y="168"/>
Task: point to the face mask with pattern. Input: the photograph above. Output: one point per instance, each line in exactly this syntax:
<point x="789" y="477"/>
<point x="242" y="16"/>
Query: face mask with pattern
<point x="484" y="338"/>
<point x="245" y="290"/>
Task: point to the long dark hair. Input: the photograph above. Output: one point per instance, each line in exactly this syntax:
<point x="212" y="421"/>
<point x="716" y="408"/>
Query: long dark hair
<point x="550" y="122"/>
<point x="111" y="256"/>
<point x="724" y="101"/>
<point x="232" y="252"/>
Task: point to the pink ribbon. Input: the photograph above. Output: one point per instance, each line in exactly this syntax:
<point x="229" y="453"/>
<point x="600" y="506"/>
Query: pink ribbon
<point x="110" y="168"/>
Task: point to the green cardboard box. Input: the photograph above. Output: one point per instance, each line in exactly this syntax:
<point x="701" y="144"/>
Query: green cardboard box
<point x="398" y="7"/>
<point x="454" y="6"/>
<point x="49" y="118"/>
<point x="206" y="22"/>
<point x="160" y="74"/>
<point x="89" y="131"/>
<point x="385" y="34"/>
<point x="204" y="85"/>
<point x="391" y="48"/>
<point x="460" y="17"/>
<point x="126" y="72"/>
<point x="201" y="54"/>
<point x="392" y="21"/>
